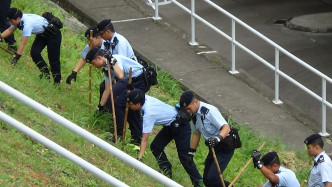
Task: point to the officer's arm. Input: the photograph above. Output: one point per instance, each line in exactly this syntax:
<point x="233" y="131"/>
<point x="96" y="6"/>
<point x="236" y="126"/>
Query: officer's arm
<point x="81" y="62"/>
<point x="225" y="130"/>
<point x="195" y="140"/>
<point x="270" y="175"/>
<point x="105" y="95"/>
<point x="328" y="184"/>
<point x="144" y="143"/>
<point x="118" y="71"/>
<point x="7" y="32"/>
<point x="24" y="41"/>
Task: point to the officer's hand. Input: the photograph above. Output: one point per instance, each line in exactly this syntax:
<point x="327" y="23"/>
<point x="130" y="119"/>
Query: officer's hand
<point x="256" y="159"/>
<point x="113" y="62"/>
<point x="73" y="75"/>
<point x="1" y="39"/>
<point x="191" y="153"/>
<point x="15" y="58"/>
<point x="212" y="142"/>
<point x="100" y="110"/>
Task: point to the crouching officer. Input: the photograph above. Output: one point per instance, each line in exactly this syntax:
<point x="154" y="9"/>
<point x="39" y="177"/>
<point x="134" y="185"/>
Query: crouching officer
<point x="175" y="126"/>
<point x="208" y="121"/>
<point x="46" y="35"/>
<point x="321" y="172"/>
<point x="270" y="167"/>
<point x="121" y="65"/>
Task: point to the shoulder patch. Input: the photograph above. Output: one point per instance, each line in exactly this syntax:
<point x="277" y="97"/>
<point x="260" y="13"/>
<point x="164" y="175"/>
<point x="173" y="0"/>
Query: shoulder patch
<point x="204" y="111"/>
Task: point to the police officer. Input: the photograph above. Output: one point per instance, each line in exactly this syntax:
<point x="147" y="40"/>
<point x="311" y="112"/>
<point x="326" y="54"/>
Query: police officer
<point x="94" y="41"/>
<point x="321" y="172"/>
<point x="208" y="121"/>
<point x="175" y="126"/>
<point x="277" y="175"/>
<point x="4" y="24"/>
<point x="121" y="66"/>
<point x="35" y="24"/>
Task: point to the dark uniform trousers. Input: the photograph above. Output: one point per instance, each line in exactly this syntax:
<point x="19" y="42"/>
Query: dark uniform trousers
<point x="120" y="97"/>
<point x="211" y="176"/>
<point x="181" y="136"/>
<point x="4" y="24"/>
<point x="53" y="43"/>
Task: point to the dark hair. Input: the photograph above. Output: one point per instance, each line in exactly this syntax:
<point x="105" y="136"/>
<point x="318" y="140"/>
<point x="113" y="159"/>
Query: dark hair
<point x="14" y="13"/>
<point x="136" y="96"/>
<point x="94" y="53"/>
<point x="95" y="32"/>
<point x="105" y="25"/>
<point x="270" y="158"/>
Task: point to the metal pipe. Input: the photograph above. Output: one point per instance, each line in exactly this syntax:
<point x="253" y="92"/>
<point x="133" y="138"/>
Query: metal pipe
<point x="276" y="78"/>
<point x="87" y="135"/>
<point x="193" y="35"/>
<point x="62" y="151"/>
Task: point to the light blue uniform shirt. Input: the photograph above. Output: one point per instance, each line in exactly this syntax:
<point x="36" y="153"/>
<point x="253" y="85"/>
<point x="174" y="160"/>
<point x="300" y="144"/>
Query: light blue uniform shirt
<point x="125" y="63"/>
<point x="156" y="112"/>
<point x="287" y="178"/>
<point x="322" y="172"/>
<point x="211" y="125"/>
<point x="32" y="24"/>
<point x="123" y="47"/>
<point x="87" y="49"/>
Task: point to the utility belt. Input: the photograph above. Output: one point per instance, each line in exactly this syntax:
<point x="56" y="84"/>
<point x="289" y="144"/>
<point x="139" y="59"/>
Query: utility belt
<point x="138" y="78"/>
<point x="51" y="29"/>
<point x="176" y="123"/>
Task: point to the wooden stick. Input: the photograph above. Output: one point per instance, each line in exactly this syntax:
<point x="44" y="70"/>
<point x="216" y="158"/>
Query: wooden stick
<point x="112" y="100"/>
<point x="90" y="70"/>
<point x="303" y="183"/>
<point x="126" y="111"/>
<point x="218" y="167"/>
<point x="6" y="50"/>
<point x="245" y="167"/>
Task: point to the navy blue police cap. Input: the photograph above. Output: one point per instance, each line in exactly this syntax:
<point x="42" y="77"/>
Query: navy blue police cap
<point x="269" y="158"/>
<point x="103" y="24"/>
<point x="186" y="98"/>
<point x="312" y="138"/>
<point x="95" y="32"/>
<point x="92" y="54"/>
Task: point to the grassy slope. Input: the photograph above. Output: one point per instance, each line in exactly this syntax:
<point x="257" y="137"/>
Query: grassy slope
<point x="25" y="162"/>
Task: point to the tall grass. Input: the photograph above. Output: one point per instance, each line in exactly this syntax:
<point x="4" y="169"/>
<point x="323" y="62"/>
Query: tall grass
<point x="25" y="162"/>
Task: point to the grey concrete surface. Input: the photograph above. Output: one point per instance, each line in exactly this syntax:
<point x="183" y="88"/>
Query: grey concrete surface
<point x="165" y="43"/>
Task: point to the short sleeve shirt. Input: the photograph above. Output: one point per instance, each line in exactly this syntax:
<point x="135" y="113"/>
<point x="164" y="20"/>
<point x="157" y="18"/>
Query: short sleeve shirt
<point x="208" y="125"/>
<point x="287" y="178"/>
<point x="123" y="47"/>
<point x="322" y="172"/>
<point x="32" y="24"/>
<point x="156" y="112"/>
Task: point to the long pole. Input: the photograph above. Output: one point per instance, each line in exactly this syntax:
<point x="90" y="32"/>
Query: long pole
<point x="6" y="50"/>
<point x="303" y="183"/>
<point x="218" y="167"/>
<point x="112" y="100"/>
<point x="90" y="69"/>
<point x="245" y="167"/>
<point x="126" y="111"/>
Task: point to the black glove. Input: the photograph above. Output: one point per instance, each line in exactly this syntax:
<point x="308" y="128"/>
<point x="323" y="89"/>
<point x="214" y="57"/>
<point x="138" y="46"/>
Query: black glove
<point x="256" y="159"/>
<point x="191" y="153"/>
<point x="130" y="87"/>
<point x="113" y="61"/>
<point x="212" y="142"/>
<point x="100" y="110"/>
<point x="15" y="58"/>
<point x="71" y="76"/>
<point x="1" y="39"/>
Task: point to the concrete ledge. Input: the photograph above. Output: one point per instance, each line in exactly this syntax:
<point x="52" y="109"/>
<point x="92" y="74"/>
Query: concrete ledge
<point x="316" y="23"/>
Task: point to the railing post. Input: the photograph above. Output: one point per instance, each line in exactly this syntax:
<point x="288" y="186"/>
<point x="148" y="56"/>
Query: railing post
<point x="193" y="42"/>
<point x="324" y="133"/>
<point x="233" y="70"/>
<point x="276" y="79"/>
<point x="156" y="11"/>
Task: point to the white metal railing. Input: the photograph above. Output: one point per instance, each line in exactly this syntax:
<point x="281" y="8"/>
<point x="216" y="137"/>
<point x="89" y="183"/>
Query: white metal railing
<point x="62" y="151"/>
<point x="278" y="49"/>
<point x="87" y="135"/>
